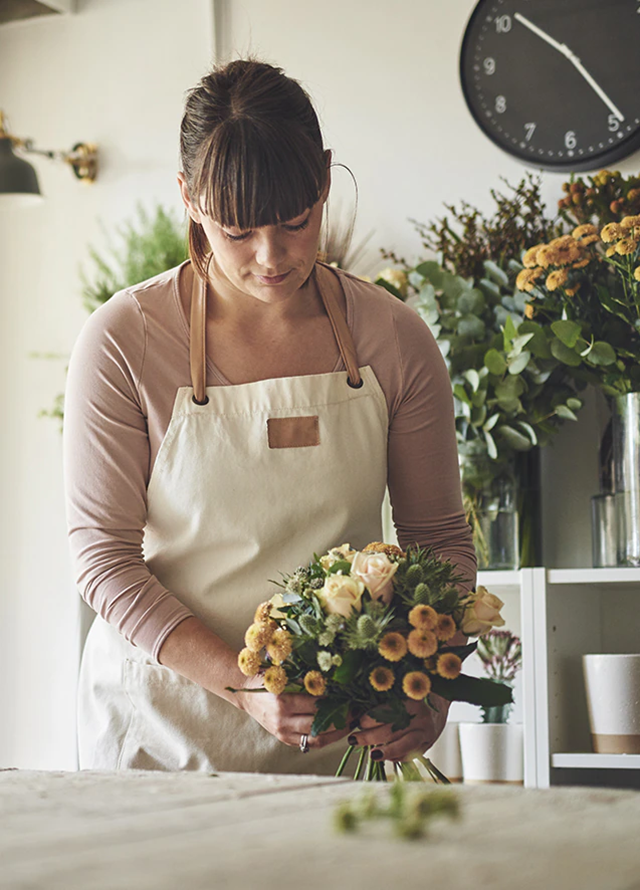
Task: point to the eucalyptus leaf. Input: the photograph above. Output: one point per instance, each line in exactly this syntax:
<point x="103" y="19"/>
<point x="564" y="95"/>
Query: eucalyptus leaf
<point x="564" y="354"/>
<point x="473" y="377"/>
<point x="514" y="438"/>
<point x="492" y="449"/>
<point x="567" y="332"/>
<point x="472" y="327"/>
<point x="432" y="271"/>
<point x="495" y="362"/>
<point x="529" y="430"/>
<point x="495" y="273"/>
<point x="518" y="364"/>
<point x="565" y="412"/>
<point x="601" y="354"/>
<point x="489" y="425"/>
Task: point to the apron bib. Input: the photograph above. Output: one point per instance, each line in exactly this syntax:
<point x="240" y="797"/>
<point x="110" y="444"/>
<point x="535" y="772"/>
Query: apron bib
<point x="249" y="482"/>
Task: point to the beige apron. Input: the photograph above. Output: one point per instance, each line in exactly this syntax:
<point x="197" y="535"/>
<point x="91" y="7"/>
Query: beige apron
<point x="245" y="487"/>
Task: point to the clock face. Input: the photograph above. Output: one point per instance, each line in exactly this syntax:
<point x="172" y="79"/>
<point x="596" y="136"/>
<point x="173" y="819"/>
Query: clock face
<point x="555" y="82"/>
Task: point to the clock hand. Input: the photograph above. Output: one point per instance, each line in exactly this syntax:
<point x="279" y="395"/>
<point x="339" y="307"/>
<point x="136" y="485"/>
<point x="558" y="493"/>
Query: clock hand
<point x="575" y="61"/>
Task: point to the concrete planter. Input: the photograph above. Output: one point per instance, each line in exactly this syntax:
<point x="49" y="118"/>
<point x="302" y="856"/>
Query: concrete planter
<point x="492" y="752"/>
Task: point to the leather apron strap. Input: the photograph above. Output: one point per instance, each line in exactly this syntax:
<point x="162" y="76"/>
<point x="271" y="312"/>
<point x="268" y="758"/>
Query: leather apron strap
<point x="330" y="288"/>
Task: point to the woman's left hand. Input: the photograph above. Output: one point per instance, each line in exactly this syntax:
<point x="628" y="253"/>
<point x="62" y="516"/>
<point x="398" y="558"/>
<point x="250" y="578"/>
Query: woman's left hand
<point x="418" y="737"/>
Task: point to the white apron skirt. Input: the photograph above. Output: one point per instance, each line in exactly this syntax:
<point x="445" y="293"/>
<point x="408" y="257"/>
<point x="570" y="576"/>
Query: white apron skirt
<point x="245" y="487"/>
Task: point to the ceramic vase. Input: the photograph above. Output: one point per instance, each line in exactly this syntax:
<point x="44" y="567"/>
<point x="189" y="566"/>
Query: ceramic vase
<point x="612" y="685"/>
<point x="492" y="752"/>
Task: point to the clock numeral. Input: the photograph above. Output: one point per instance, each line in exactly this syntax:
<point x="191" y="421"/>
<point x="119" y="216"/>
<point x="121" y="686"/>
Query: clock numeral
<point x="570" y="139"/>
<point x="503" y="24"/>
<point x="530" y="128"/>
<point x="614" y="123"/>
<point x="489" y="65"/>
<point x="501" y="104"/>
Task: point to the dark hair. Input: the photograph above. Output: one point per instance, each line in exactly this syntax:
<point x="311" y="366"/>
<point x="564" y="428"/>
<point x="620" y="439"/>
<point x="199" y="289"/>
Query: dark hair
<point x="251" y="150"/>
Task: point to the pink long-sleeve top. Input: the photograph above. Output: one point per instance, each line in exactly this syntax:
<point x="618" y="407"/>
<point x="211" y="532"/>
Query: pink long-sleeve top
<point x="129" y="361"/>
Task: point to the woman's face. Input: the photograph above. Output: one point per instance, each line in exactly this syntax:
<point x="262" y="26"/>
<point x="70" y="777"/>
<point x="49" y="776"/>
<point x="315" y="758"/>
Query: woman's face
<point x="269" y="263"/>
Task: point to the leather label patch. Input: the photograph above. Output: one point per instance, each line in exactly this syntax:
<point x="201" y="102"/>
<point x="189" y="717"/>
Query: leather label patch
<point x="293" y="432"/>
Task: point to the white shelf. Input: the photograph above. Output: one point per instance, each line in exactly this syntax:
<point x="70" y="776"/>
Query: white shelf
<point x="621" y="575"/>
<point x="596" y="761"/>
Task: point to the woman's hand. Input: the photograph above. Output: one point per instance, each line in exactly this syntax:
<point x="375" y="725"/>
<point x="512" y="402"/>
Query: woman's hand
<point x="287" y="717"/>
<point x="424" y="729"/>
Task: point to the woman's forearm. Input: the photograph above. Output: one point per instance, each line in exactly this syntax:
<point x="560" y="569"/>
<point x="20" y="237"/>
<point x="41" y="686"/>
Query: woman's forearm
<point x="197" y="653"/>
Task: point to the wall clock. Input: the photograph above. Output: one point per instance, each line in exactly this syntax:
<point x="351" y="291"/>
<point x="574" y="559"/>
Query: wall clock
<point x="555" y="83"/>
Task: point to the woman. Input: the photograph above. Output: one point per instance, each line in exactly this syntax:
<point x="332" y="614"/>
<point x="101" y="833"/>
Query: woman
<point x="225" y="420"/>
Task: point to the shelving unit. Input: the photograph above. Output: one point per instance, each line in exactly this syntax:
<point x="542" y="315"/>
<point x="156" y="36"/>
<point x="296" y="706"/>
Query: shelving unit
<point x="564" y="614"/>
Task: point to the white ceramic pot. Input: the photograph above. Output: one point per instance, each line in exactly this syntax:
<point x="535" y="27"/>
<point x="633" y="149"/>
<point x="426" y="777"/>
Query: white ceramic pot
<point x="445" y="754"/>
<point x="613" y="698"/>
<point x="492" y="752"/>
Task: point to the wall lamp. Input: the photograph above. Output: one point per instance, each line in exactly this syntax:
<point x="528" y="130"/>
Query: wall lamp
<point x="18" y="177"/>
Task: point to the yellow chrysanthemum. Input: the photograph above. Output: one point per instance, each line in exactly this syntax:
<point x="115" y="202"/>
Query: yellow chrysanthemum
<point x="611" y="232"/>
<point x="382" y="679"/>
<point x="249" y="662"/>
<point x="446" y="628"/>
<point x="529" y="311"/>
<point x="585" y="230"/>
<point x="557" y="279"/>
<point x="581" y="263"/>
<point x="392" y="646"/>
<point x="258" y="635"/>
<point x="610" y="251"/>
<point x="423" y="617"/>
<point x="422" y="643"/>
<point x="279" y="646"/>
<point x="449" y="665"/>
<point x="527" y="278"/>
<point x="629" y="222"/>
<point x="529" y="258"/>
<point x="566" y="250"/>
<point x="275" y="679"/>
<point x="416" y="685"/>
<point x="314" y="683"/>
<point x="263" y="613"/>
<point x="546" y="256"/>
<point x="625" y="246"/>
<point x="572" y="291"/>
<point x="636" y="273"/>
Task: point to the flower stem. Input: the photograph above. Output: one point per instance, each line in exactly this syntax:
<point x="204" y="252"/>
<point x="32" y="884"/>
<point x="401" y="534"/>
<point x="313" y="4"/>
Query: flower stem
<point x="438" y="777"/>
<point x="368" y="776"/>
<point x="344" y="761"/>
<point x="360" y="765"/>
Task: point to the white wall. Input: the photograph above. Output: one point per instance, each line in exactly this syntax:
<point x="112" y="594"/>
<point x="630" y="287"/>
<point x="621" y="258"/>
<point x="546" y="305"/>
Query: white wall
<point x="384" y="77"/>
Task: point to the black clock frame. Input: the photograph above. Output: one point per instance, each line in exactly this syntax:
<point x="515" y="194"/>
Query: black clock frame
<point x="623" y="149"/>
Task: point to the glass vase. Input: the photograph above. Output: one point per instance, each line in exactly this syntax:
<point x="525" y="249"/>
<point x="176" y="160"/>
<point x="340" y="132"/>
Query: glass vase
<point x="626" y="462"/>
<point x="492" y="510"/>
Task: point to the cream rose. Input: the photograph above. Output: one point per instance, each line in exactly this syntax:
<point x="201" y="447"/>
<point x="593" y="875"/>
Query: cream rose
<point x="341" y="594"/>
<point x="336" y="554"/>
<point x="376" y="571"/>
<point x="482" y="612"/>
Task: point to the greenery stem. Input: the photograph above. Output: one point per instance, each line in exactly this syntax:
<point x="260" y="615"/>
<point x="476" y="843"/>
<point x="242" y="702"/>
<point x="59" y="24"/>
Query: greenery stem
<point x="363" y="752"/>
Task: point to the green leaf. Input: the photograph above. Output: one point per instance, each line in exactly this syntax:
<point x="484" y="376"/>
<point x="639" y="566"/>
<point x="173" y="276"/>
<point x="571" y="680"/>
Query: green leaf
<point x="473" y="377"/>
<point x="518" y="364"/>
<point x="341" y="565"/>
<point x="567" y="332"/>
<point x="460" y="393"/>
<point x="565" y="412"/>
<point x="602" y="354"/>
<point x="538" y="345"/>
<point x="574" y="404"/>
<point x="565" y="355"/>
<point x="475" y="690"/>
<point x="492" y="449"/>
<point x="472" y="327"/>
<point x="529" y="430"/>
<point x="515" y="439"/>
<point x="495" y="272"/>
<point x="327" y="714"/>
<point x="351" y="662"/>
<point x="510" y="333"/>
<point x="433" y="272"/>
<point x="495" y="362"/>
<point x="489" y="425"/>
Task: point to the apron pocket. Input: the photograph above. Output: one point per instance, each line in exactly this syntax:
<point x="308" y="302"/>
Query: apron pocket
<point x="171" y="724"/>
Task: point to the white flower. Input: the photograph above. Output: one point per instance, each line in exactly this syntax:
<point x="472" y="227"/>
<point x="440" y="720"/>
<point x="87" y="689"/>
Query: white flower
<point x="326" y="638"/>
<point x="337" y="660"/>
<point x="376" y="570"/>
<point x="325" y="661"/>
<point x="341" y="594"/>
<point x="337" y="554"/>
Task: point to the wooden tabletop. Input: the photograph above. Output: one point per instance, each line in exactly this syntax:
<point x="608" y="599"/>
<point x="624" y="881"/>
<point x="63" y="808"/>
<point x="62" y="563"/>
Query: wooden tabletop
<point x="238" y="831"/>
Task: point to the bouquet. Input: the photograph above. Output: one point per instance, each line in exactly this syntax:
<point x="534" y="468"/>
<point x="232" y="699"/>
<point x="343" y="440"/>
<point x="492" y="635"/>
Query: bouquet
<point x="367" y="631"/>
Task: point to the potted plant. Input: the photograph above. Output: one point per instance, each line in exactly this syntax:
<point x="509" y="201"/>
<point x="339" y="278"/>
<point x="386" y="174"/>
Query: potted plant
<point x="511" y="393"/>
<point x="585" y="287"/>
<point x="492" y="751"/>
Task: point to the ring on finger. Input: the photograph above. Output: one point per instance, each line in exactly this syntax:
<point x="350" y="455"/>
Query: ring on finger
<point x="304" y="743"/>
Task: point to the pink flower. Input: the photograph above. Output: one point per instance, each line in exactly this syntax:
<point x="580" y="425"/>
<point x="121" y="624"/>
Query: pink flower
<point x="376" y="571"/>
